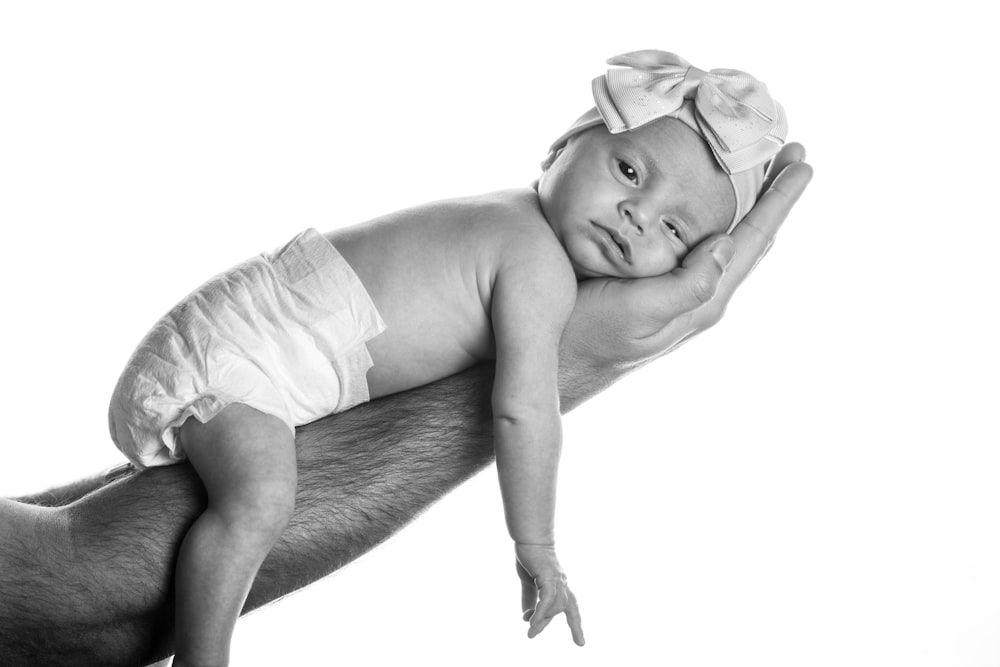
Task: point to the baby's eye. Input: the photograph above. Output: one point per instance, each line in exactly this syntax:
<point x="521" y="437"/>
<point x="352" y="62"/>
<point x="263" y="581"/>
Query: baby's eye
<point x="628" y="171"/>
<point x="672" y="228"/>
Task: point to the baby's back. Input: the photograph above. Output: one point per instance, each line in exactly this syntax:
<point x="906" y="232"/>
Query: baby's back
<point x="430" y="271"/>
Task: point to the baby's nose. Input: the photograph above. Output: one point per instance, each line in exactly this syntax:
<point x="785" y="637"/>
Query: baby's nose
<point x="634" y="219"/>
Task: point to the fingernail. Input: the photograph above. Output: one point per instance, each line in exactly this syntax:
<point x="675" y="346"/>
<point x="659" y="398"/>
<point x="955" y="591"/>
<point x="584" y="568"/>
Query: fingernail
<point x="723" y="251"/>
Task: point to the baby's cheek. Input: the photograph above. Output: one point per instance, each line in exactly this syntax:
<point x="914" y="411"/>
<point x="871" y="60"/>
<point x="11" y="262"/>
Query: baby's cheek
<point x="672" y="258"/>
<point x="666" y="262"/>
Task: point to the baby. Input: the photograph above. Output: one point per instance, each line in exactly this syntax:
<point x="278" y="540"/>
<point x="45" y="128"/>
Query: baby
<point x="670" y="156"/>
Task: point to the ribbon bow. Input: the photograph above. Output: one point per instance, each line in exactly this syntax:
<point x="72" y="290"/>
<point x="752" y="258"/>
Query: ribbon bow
<point x="734" y="111"/>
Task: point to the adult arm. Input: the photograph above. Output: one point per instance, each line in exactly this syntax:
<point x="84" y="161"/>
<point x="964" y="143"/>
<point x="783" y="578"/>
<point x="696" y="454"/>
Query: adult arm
<point x="89" y="582"/>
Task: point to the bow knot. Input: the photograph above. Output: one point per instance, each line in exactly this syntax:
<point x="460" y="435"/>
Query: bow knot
<point x="692" y="80"/>
<point x="732" y="110"/>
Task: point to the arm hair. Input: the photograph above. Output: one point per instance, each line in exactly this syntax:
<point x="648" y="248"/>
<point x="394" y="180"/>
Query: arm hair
<point x="86" y="570"/>
<point x="89" y="582"/>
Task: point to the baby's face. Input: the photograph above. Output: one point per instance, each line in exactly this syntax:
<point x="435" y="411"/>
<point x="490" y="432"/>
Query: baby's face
<point x="633" y="204"/>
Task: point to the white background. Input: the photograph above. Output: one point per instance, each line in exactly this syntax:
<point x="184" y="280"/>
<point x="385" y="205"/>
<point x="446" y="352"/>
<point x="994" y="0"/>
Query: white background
<point x="814" y="482"/>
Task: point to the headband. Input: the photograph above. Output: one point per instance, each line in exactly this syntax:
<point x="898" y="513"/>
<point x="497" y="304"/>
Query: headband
<point x="732" y="111"/>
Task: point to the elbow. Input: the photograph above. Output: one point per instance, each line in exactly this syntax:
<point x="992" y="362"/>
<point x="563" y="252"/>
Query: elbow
<point x="509" y="418"/>
<point x="524" y="414"/>
<point x="520" y="406"/>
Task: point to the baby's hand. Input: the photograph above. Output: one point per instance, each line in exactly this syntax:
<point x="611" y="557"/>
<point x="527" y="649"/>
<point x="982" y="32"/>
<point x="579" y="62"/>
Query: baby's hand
<point x="544" y="591"/>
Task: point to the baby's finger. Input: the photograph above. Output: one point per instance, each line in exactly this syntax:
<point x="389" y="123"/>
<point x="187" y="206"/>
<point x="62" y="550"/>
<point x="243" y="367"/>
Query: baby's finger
<point x="574" y="621"/>
<point x="529" y="592"/>
<point x="529" y="599"/>
<point x="542" y="616"/>
<point x="538" y="623"/>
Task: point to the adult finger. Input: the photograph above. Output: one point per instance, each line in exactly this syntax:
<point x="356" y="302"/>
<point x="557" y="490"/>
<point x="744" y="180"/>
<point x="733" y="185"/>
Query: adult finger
<point x="682" y="290"/>
<point x="755" y="233"/>
<point x="657" y="301"/>
<point x="789" y="153"/>
<point x="752" y="237"/>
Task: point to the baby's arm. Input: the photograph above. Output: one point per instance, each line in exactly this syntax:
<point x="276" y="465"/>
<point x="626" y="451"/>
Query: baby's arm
<point x="532" y="300"/>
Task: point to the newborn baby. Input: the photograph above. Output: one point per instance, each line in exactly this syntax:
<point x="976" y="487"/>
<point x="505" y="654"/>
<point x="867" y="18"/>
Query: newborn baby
<point x="670" y="156"/>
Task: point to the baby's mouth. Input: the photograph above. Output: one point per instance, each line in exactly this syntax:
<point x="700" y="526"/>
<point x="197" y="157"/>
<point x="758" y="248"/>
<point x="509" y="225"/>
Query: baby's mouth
<point x="621" y="248"/>
<point x="620" y="242"/>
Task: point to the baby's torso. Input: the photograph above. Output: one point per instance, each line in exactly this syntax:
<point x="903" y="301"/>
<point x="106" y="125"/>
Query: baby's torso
<point x="430" y="271"/>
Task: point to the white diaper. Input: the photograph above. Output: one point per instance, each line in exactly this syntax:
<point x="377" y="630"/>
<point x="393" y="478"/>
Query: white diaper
<point x="283" y="332"/>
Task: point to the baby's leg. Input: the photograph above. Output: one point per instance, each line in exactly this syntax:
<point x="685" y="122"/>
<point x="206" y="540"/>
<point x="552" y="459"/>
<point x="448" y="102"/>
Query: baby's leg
<point x="246" y="460"/>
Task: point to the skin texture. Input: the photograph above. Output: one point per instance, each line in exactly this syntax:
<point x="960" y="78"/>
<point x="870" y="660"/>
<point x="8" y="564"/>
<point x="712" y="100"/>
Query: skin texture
<point x="87" y="581"/>
<point x="245" y="459"/>
<point x="655" y="192"/>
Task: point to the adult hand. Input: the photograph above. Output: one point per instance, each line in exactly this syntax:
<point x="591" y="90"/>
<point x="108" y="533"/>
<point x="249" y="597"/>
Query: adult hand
<point x="619" y="325"/>
<point x="404" y="452"/>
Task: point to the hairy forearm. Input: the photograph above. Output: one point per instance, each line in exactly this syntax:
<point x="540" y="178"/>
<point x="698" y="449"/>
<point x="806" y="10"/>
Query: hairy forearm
<point x="585" y="368"/>
<point x="90" y="582"/>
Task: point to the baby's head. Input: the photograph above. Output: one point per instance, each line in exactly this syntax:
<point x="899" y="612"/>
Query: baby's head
<point x="670" y="156"/>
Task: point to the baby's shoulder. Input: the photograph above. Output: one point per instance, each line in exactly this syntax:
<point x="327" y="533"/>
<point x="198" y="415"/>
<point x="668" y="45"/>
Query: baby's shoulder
<point x="529" y="253"/>
<point x="522" y="232"/>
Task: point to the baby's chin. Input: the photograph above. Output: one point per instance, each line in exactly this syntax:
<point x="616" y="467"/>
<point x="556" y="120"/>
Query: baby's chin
<point x="584" y="272"/>
<point x="651" y="272"/>
<point x="585" y="269"/>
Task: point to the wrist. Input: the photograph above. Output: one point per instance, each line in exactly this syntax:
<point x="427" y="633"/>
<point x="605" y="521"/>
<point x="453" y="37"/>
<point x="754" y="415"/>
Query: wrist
<point x="538" y="537"/>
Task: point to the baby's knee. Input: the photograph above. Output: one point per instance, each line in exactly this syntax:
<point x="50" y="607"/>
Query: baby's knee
<point x="270" y="510"/>
<point x="260" y="515"/>
<point x="280" y="505"/>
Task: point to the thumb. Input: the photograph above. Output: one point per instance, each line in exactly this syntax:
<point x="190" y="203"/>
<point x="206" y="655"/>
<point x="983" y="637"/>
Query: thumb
<point x="703" y="268"/>
<point x="663" y="300"/>
<point x="529" y="592"/>
<point x="722" y="249"/>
